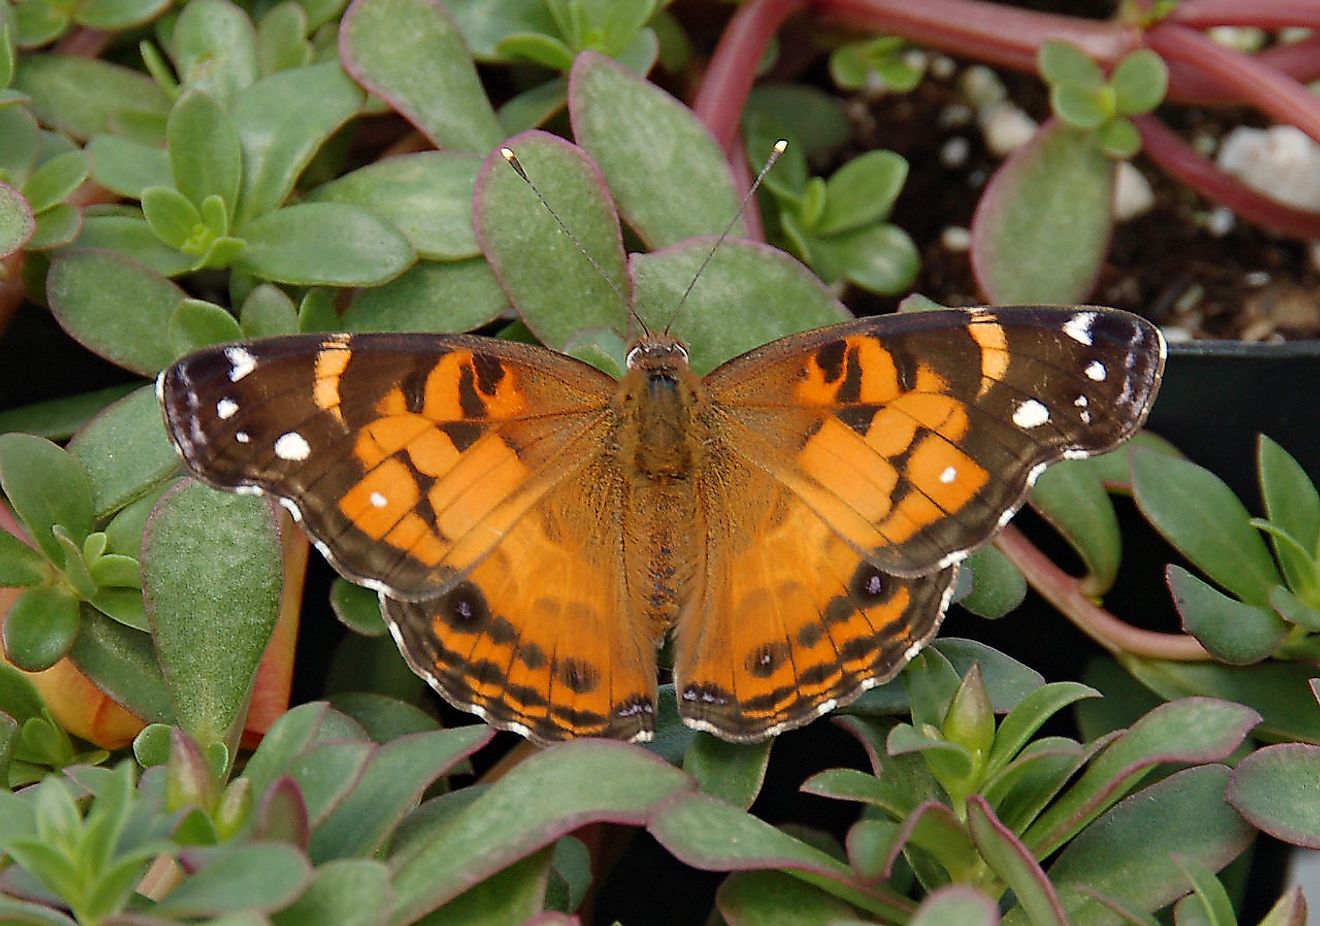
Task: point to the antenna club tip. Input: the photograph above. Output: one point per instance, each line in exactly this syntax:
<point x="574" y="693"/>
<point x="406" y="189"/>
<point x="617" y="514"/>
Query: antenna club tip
<point x="781" y="146"/>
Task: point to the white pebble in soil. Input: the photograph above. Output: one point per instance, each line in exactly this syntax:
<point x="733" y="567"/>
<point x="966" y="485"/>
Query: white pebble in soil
<point x="1005" y="128"/>
<point x="1132" y="193"/>
<point x="956" y="239"/>
<point x="954" y="152"/>
<point x="1282" y="162"/>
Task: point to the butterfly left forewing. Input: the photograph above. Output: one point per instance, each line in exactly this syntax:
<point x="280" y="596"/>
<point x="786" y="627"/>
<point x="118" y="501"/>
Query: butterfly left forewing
<point x="405" y="456"/>
<point x="916" y="436"/>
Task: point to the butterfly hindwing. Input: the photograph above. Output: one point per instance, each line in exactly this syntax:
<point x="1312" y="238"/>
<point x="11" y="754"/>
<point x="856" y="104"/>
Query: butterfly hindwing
<point x="916" y="436"/>
<point x="791" y="622"/>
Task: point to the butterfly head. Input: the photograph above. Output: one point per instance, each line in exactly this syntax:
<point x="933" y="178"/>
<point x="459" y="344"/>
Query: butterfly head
<point x="658" y="355"/>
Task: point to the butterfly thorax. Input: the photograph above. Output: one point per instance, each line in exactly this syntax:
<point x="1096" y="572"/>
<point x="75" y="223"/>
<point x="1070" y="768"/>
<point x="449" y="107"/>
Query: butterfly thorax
<point x="662" y="402"/>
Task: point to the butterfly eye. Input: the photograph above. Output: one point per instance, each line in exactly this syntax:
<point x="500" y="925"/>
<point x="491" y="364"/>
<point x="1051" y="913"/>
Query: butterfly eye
<point x="631" y="359"/>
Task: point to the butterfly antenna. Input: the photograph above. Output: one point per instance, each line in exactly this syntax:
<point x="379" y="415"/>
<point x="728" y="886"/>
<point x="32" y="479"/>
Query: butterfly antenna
<point x="508" y="155"/>
<point x="779" y="148"/>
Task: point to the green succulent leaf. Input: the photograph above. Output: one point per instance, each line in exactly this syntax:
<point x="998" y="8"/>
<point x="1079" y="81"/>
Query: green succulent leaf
<point x="590" y="781"/>
<point x="128" y="167"/>
<point x="212" y="597"/>
<point x="20" y="565"/>
<point x="1065" y="63"/>
<point x="55" y="227"/>
<point x="956" y="905"/>
<point x="664" y="168"/>
<point x="214" y="47"/>
<point x="121" y="662"/>
<point x="553" y="285"/>
<point x="282" y="39"/>
<point x="862" y="192"/>
<point x="1042" y="226"/>
<point x="124" y="451"/>
<point x="435" y="297"/>
<point x="1119" y="139"/>
<point x="206" y="158"/>
<point x="733" y="772"/>
<point x="1140" y="81"/>
<point x="1130" y="854"/>
<point x="324" y="244"/>
<point x="411" y="54"/>
<point x="1196" y="512"/>
<point x="767" y="896"/>
<point x="1011" y="861"/>
<point x="427" y="196"/>
<point x="267" y="312"/>
<point x="1233" y="631"/>
<point x="16" y="221"/>
<point x="1273" y="788"/>
<point x="40" y="628"/>
<point x="54" y="180"/>
<point x="83" y="96"/>
<point x="348" y="892"/>
<point x="282" y="121"/>
<point x="1000" y="586"/>
<point x="239" y="876"/>
<point x="1071" y="495"/>
<point x="47" y="489"/>
<point x="118" y="15"/>
<point x="197" y="324"/>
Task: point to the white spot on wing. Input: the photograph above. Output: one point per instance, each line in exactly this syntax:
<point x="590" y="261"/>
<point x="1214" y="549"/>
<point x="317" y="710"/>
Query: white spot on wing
<point x="1030" y="414"/>
<point x="292" y="447"/>
<point x="1095" y="370"/>
<point x="226" y="408"/>
<point x="241" y="363"/>
<point x="1079" y="327"/>
<point x="948" y="475"/>
<point x="242" y="437"/>
<point x="378" y="500"/>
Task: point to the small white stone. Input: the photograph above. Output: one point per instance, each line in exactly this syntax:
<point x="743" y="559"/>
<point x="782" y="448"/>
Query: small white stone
<point x="956" y="239"/>
<point x="948" y="475"/>
<point x="1006" y="128"/>
<point x="1219" y="221"/>
<point x="226" y="408"/>
<point x="292" y="447"/>
<point x="942" y="67"/>
<point x="1132" y="193"/>
<point x="241" y="363"/>
<point x="1241" y="38"/>
<point x="1031" y="414"/>
<point x="953" y="153"/>
<point x="981" y="86"/>
<point x="1283" y="162"/>
<point x="378" y="500"/>
<point x="954" y="116"/>
<point x="1095" y="370"/>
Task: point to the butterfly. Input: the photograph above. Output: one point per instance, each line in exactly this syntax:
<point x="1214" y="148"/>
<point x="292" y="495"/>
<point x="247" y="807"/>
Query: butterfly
<point x="535" y="527"/>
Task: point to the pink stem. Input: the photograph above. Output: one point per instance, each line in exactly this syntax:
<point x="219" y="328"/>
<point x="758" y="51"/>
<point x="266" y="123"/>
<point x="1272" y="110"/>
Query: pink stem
<point x="732" y="69"/>
<point x="990" y="33"/>
<point x="1298" y="60"/>
<point x="1064" y="592"/>
<point x="1259" y="84"/>
<point x="1263" y="14"/>
<point x="1175" y="156"/>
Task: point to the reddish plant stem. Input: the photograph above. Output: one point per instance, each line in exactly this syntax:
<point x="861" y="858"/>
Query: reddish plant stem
<point x="996" y="35"/>
<point x="1163" y="146"/>
<point x="1064" y="593"/>
<point x="1258" y="84"/>
<point x="83" y="43"/>
<point x="1263" y="14"/>
<point x="1298" y="60"/>
<point x="732" y="70"/>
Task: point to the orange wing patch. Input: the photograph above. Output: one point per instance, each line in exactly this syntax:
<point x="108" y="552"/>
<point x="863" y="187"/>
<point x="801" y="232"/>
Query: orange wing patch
<point x="772" y="645"/>
<point x="538" y="637"/>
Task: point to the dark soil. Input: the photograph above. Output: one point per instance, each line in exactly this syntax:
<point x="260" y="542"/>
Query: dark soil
<point x="1166" y="264"/>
